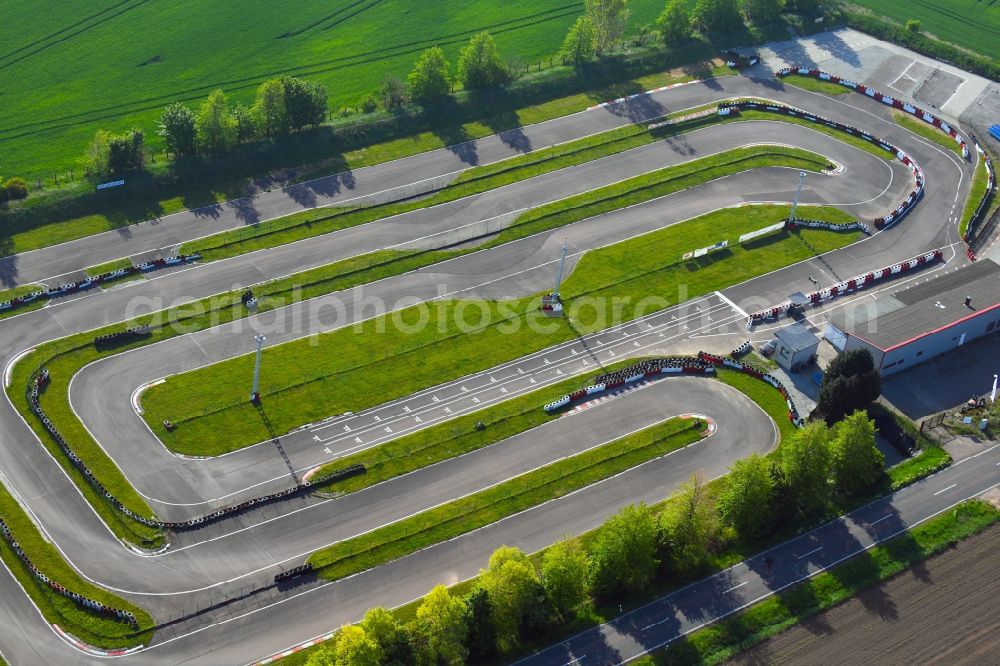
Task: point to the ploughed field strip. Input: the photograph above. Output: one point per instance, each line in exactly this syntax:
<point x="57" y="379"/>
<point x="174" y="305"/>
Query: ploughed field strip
<point x="600" y="272"/>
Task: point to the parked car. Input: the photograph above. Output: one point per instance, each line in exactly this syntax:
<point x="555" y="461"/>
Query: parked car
<point x="768" y="348"/>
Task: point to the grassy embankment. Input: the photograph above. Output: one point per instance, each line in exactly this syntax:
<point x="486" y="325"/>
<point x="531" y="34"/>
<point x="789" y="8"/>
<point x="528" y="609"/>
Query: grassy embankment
<point x="976" y="192"/>
<point x="929" y="132"/>
<point x="85" y="625"/>
<point x="814" y="85"/>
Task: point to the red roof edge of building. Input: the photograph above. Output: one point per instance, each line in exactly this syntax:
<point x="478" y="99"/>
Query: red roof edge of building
<point x="967" y="317"/>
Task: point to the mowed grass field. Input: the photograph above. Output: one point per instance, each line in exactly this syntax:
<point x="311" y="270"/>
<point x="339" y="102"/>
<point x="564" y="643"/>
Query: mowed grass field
<point x="970" y="24"/>
<point x="70" y="67"/>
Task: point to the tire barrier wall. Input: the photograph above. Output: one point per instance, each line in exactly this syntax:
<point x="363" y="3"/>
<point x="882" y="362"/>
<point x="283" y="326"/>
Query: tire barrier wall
<point x="848" y="286"/>
<point x="742" y="350"/>
<point x="821" y="224"/>
<point x="293" y="573"/>
<point x="633" y="373"/>
<point x="977" y="215"/>
<point x="737" y="61"/>
<point x="916" y="111"/>
<point x="122" y="337"/>
<point x="89" y="283"/>
<point x="704" y="363"/>
<point x="80" y="600"/>
<point x="729" y="108"/>
<point x="220" y="514"/>
<point x="793" y="413"/>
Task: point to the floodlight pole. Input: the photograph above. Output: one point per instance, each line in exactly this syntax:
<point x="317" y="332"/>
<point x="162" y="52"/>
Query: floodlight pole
<point x="559" y="273"/>
<point x="798" y="192"/>
<point x="255" y="392"/>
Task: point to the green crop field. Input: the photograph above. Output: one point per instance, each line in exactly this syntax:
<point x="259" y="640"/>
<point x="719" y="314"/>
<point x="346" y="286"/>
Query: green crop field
<point x="71" y="67"/>
<point x="971" y="24"/>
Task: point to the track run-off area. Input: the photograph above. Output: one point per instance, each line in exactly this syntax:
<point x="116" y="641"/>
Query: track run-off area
<point x="210" y="588"/>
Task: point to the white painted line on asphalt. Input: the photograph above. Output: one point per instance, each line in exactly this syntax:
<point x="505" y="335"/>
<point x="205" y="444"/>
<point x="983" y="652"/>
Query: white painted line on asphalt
<point x="736" y="587"/>
<point x="945" y="489"/>
<point x="876" y="522"/>
<point x="573" y="661"/>
<point x="815" y="550"/>
<point x="731" y="304"/>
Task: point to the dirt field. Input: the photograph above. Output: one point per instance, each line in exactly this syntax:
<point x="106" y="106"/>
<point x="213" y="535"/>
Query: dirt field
<point x="943" y="611"/>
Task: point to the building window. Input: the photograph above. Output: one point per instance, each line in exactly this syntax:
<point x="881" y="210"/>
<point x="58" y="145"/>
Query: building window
<point x="889" y="366"/>
<point x="990" y="326"/>
<point x="920" y="353"/>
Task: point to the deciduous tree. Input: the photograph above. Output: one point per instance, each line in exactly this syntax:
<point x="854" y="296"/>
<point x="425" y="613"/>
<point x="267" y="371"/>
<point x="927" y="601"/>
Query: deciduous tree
<point x="689" y="524"/>
<point x="125" y="151"/>
<point x="441" y="629"/>
<point x="856" y="461"/>
<point x="355" y="648"/>
<point x="763" y="12"/>
<point x="580" y="45"/>
<point x="850" y="382"/>
<point x="177" y="128"/>
<point x="269" y="109"/>
<point x="623" y="557"/>
<point x="243" y="123"/>
<point x="393" y="92"/>
<point x="564" y="576"/>
<point x="608" y="18"/>
<point x="805" y="461"/>
<point x="305" y="102"/>
<point x="746" y="501"/>
<point x="392" y="638"/>
<point x="717" y="16"/>
<point x="482" y="639"/>
<point x="429" y="81"/>
<point x="674" y="23"/>
<point x="214" y="127"/>
<point x="479" y="64"/>
<point x="514" y="589"/>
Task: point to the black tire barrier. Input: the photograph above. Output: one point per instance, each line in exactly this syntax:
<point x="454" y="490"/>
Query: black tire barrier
<point x="219" y="514"/>
<point x="83" y="602"/>
<point x="887" y="220"/>
<point x="970" y="235"/>
<point x="294" y="572"/>
<point x="742" y="350"/>
<point x="102" y="342"/>
<point x="847" y="286"/>
<point x="83" y="285"/>
<point x="830" y="226"/>
<point x="633" y="373"/>
<point x="738" y="61"/>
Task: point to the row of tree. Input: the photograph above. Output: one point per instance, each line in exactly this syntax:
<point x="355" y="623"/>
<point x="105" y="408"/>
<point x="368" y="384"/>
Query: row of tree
<point x="513" y="599"/>
<point x="603" y="23"/>
<point x="112" y="154"/>
<point x="282" y="104"/>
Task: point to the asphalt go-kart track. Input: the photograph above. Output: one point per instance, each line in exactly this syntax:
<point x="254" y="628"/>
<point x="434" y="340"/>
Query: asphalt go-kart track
<point x="209" y="584"/>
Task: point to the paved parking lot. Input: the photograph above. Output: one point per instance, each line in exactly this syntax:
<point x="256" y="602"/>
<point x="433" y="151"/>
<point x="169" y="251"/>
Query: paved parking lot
<point x="945" y="382"/>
